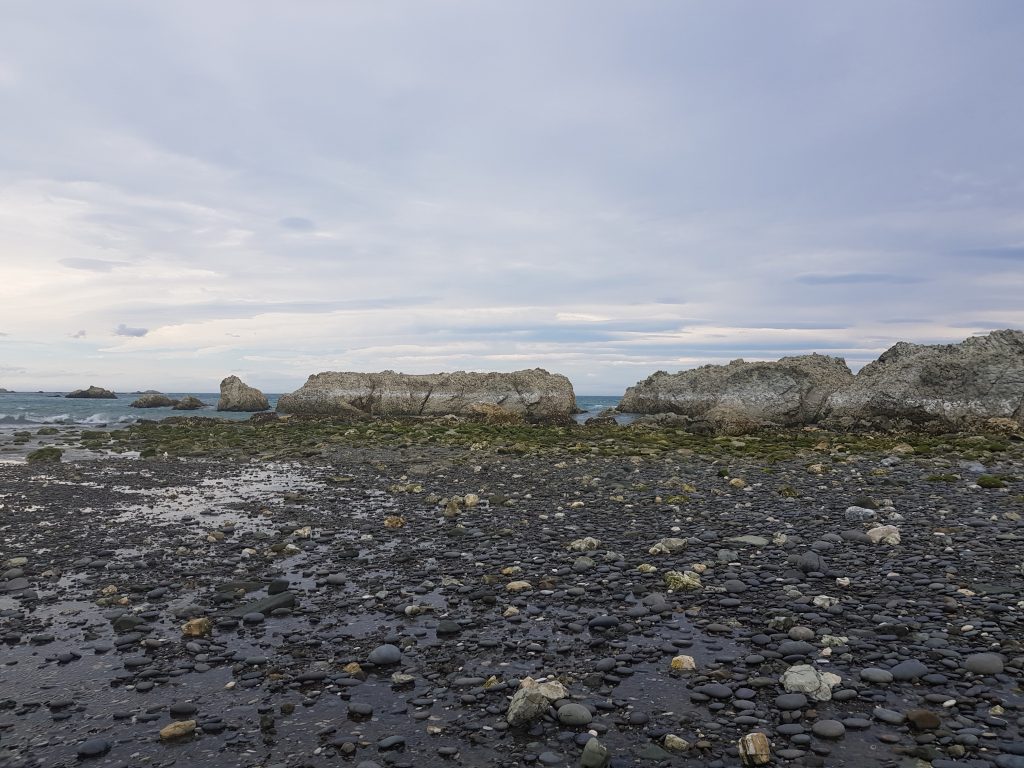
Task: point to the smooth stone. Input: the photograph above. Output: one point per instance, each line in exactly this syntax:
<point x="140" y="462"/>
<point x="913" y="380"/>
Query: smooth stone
<point x="574" y="714"/>
<point x="876" y="676"/>
<point x="93" y="748"/>
<point x="385" y="654"/>
<point x="984" y="663"/>
<point x="828" y="729"/>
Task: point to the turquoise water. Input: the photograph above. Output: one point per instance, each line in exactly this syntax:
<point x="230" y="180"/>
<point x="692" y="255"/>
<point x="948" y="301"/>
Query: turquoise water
<point x="24" y="409"/>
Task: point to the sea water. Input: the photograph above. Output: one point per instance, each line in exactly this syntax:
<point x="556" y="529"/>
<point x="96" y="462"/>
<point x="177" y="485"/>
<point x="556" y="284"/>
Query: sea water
<point x="27" y="409"/>
<point x="21" y="410"/>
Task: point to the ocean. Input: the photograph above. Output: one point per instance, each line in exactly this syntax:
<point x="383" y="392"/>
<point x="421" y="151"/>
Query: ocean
<point x="20" y="410"/>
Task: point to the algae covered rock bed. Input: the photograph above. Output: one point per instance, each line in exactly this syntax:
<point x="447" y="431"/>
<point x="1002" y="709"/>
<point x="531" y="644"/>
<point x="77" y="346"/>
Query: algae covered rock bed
<point x="385" y="593"/>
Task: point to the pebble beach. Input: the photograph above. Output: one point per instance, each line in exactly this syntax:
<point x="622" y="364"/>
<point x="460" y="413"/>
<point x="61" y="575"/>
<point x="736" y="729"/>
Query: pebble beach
<point x="433" y="593"/>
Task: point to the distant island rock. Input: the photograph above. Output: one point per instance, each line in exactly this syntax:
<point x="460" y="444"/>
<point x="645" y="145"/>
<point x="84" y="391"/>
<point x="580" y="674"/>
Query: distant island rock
<point x="531" y="395"/>
<point x="741" y="397"/>
<point x="6" y="391"/>
<point x="153" y="400"/>
<point x="93" y="393"/>
<point x="976" y="384"/>
<point x="236" y="395"/>
<point x="188" y="403"/>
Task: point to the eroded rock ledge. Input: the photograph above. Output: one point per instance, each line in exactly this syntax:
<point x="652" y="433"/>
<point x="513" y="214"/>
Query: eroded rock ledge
<point x="976" y="384"/>
<point x="533" y="395"/>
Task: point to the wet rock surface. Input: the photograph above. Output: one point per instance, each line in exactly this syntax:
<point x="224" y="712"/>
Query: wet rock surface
<point x="226" y="611"/>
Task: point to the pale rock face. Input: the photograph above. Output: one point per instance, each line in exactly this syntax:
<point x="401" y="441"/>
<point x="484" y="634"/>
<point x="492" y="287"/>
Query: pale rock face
<point x="755" y="749"/>
<point x="803" y="678"/>
<point x="884" y="534"/>
<point x="532" y="700"/>
<point x="941" y="386"/>
<point x="668" y="546"/>
<point x="236" y="395"/>
<point x="534" y="395"/>
<point x="741" y="397"/>
<point x="586" y="544"/>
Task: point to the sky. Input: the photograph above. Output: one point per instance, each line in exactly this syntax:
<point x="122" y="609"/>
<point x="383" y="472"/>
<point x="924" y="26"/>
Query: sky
<point x="603" y="189"/>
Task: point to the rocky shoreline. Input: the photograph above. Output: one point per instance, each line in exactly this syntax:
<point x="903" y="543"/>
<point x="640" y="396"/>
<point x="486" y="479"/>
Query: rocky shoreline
<point x="293" y="593"/>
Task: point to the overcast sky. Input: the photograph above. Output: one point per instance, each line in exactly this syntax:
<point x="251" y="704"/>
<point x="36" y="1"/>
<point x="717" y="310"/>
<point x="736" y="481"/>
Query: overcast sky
<point x="603" y="189"/>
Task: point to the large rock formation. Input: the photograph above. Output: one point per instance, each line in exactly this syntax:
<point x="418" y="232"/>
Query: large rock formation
<point x="236" y="395"/>
<point x="941" y="386"/>
<point x="96" y="393"/>
<point x="741" y="397"/>
<point x="534" y="395"/>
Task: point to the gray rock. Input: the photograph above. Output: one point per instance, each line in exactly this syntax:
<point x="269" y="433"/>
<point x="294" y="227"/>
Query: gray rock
<point x="265" y="606"/>
<point x="803" y="678"/>
<point x="890" y="716"/>
<point x="942" y="386"/>
<point x="385" y="654"/>
<point x="153" y="401"/>
<point x="828" y="729"/>
<point x="92" y="393"/>
<point x="909" y="669"/>
<point x="236" y="395"/>
<point x="741" y="396"/>
<point x="984" y="663"/>
<point x="532" y="395"/>
<point x="574" y="714"/>
<point x="189" y="403"/>
<point x="527" y="705"/>
<point x="876" y="676"/>
<point x="595" y="755"/>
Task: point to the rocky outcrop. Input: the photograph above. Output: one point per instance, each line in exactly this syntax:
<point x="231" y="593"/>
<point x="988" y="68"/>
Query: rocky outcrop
<point x="95" y="393"/>
<point x="938" y="387"/>
<point x="189" y="403"/>
<point x="236" y="395"/>
<point x="152" y="401"/>
<point x="741" y="397"/>
<point x="534" y="395"/>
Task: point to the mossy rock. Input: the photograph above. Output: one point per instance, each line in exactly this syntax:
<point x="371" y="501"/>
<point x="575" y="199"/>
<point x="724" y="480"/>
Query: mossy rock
<point x="47" y="431"/>
<point x="990" y="481"/>
<point x="47" y="454"/>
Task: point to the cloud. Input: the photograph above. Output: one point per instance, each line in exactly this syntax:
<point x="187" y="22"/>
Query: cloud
<point x="297" y="224"/>
<point x="93" y="265"/>
<point x="124" y="330"/>
<point x="1012" y="253"/>
<point x="78" y="335"/>
<point x="857" y="278"/>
